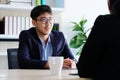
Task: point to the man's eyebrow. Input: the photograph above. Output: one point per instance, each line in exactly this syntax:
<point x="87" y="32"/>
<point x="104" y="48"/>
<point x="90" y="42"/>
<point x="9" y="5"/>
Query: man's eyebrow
<point x="43" y="17"/>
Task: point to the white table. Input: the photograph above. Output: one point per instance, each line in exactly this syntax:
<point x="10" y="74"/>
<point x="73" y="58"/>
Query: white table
<point x="22" y="74"/>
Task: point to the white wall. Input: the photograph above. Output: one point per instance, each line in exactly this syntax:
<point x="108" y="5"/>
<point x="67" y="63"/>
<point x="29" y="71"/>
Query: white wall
<point x="76" y="9"/>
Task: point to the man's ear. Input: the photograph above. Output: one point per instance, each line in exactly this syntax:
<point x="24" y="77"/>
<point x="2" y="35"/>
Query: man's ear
<point x="34" y="22"/>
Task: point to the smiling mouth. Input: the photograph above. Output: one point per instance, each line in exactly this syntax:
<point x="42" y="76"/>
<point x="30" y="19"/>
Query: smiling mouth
<point x="47" y="29"/>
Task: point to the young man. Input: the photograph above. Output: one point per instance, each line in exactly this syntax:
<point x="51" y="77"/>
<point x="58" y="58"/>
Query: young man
<point x="39" y="42"/>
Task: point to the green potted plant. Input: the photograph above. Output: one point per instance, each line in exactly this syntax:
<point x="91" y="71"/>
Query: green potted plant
<point x="79" y="39"/>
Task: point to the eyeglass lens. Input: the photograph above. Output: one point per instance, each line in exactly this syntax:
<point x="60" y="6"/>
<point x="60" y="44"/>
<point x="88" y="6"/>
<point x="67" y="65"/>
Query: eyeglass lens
<point x="45" y="20"/>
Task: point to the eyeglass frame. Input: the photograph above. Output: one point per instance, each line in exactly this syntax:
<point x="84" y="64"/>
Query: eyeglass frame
<point x="45" y="20"/>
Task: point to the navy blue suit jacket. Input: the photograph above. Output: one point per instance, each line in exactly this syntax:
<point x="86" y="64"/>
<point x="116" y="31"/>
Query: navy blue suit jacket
<point x="29" y="51"/>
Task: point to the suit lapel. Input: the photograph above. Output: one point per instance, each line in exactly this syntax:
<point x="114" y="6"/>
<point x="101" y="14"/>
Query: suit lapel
<point x="38" y="43"/>
<point x="53" y="41"/>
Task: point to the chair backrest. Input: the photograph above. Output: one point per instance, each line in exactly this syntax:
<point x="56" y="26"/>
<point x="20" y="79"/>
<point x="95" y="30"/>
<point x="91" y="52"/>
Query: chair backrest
<point x="12" y="58"/>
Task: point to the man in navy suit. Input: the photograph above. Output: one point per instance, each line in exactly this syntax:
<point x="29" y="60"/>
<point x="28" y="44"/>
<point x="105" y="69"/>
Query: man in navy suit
<point x="39" y="42"/>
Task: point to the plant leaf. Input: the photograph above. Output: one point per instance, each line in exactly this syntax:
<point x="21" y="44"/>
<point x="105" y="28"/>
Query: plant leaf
<point x="76" y="42"/>
<point x="77" y="27"/>
<point x="80" y="37"/>
<point x="82" y="22"/>
<point x="80" y="50"/>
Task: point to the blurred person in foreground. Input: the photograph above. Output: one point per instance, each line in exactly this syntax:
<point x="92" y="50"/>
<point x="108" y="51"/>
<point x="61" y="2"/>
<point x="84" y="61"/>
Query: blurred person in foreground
<point x="100" y="57"/>
<point x="40" y="42"/>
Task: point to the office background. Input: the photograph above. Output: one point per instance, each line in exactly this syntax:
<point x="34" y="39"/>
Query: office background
<point x="74" y="10"/>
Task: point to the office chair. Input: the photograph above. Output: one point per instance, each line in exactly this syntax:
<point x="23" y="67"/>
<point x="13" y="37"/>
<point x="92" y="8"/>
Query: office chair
<point x="12" y="58"/>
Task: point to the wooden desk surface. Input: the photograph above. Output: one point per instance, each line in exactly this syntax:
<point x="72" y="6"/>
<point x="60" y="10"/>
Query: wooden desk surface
<point x="22" y="74"/>
<point x="16" y="74"/>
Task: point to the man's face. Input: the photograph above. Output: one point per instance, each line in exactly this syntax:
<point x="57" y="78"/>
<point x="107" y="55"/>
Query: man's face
<point x="44" y="24"/>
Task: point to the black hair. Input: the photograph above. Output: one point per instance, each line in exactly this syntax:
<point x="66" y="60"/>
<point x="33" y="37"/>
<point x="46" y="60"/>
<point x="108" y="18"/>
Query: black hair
<point x="38" y="10"/>
<point x="115" y="7"/>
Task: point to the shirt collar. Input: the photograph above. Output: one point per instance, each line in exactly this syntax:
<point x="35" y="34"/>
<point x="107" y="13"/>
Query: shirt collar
<point x="49" y="40"/>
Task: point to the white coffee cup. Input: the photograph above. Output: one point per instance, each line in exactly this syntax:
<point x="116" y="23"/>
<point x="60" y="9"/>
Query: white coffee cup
<point x="55" y="64"/>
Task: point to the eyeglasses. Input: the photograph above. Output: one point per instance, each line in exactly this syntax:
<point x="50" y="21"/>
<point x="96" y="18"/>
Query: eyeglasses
<point x="44" y="20"/>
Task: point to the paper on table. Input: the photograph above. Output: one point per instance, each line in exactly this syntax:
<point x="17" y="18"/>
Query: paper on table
<point x="2" y="75"/>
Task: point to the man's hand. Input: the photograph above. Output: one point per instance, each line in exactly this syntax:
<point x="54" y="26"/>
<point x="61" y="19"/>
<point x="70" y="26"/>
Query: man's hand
<point x="68" y="63"/>
<point x="47" y="65"/>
